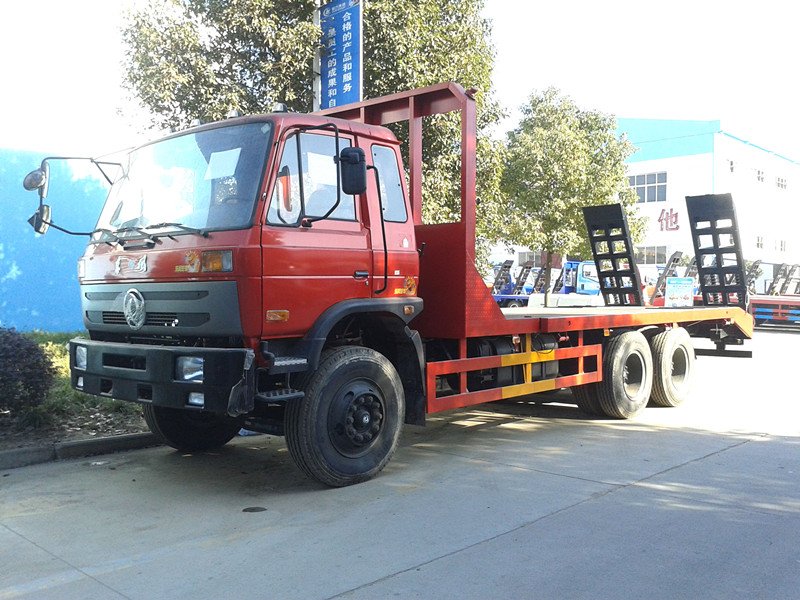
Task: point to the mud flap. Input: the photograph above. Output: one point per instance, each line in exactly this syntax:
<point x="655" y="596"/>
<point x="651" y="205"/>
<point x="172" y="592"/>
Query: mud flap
<point x="242" y="397"/>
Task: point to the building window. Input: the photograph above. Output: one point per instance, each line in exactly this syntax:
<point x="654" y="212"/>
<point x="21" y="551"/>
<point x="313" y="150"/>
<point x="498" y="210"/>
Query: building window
<point x="523" y="257"/>
<point x="783" y="245"/>
<point x="760" y="175"/>
<point x="730" y="165"/>
<point x="759" y="241"/>
<point x="780" y="182"/>
<point x="650" y="255"/>
<point x="650" y="187"/>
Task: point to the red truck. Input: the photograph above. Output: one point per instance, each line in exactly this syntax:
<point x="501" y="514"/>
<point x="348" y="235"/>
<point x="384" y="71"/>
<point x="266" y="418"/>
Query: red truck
<point x="273" y="272"/>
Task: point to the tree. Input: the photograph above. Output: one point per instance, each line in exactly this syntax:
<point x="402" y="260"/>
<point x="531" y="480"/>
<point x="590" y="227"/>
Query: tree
<point x="189" y="59"/>
<point x="560" y="159"/>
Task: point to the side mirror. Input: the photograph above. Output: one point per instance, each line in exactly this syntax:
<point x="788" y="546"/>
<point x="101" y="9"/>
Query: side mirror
<point x="40" y="220"/>
<point x="37" y="180"/>
<point x="284" y="187"/>
<point x="354" y="171"/>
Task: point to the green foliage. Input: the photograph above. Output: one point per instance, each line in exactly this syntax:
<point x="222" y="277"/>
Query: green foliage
<point x="60" y="402"/>
<point x="25" y="371"/>
<point x="560" y="159"/>
<point x="188" y="59"/>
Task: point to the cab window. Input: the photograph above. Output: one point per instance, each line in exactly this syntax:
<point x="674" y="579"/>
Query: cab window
<point x="306" y="182"/>
<point x="394" y="204"/>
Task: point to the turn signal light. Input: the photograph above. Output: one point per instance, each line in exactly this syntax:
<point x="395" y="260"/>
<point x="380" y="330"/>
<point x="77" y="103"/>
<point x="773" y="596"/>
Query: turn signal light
<point x="217" y="261"/>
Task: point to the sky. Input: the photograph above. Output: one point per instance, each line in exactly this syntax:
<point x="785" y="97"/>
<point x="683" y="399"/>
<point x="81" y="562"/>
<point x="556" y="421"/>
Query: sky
<point x="705" y="59"/>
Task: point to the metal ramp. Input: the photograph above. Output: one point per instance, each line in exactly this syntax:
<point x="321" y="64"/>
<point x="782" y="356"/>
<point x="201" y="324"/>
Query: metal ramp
<point x="559" y="284"/>
<point x="538" y="283"/>
<point x="792" y="283"/>
<point x="609" y="238"/>
<point x="670" y="270"/>
<point x="752" y="275"/>
<point x="519" y="286"/>
<point x="718" y="251"/>
<point x="777" y="281"/>
<point x="691" y="270"/>
<point x="503" y="277"/>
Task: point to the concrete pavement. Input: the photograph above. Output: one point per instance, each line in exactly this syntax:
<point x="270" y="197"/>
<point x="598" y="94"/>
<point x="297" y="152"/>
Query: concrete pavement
<point x="511" y="500"/>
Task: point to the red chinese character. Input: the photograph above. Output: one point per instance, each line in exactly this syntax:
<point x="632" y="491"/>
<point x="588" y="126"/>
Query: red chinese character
<point x="669" y="220"/>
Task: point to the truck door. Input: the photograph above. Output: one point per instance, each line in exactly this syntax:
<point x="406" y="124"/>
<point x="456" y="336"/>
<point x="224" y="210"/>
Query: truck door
<point x="395" y="267"/>
<point x="309" y="265"/>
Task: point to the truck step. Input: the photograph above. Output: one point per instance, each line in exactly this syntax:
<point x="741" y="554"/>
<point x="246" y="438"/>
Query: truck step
<point x="286" y="361"/>
<point x="288" y="364"/>
<point x="279" y="395"/>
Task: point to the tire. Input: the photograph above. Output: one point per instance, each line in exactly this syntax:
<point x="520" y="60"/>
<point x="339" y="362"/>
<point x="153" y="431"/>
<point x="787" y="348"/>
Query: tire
<point x="586" y="398"/>
<point x="673" y="367"/>
<point x="346" y="427"/>
<point x="627" y="376"/>
<point x="189" y="430"/>
<point x="514" y="304"/>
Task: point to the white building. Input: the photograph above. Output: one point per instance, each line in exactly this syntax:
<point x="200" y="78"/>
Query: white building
<point x="676" y="159"/>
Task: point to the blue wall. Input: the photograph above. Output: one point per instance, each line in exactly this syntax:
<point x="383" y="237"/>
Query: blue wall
<point x="38" y="274"/>
<point x="666" y="138"/>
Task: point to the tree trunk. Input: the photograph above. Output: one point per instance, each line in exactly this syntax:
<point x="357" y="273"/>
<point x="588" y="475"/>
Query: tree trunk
<point x="548" y="263"/>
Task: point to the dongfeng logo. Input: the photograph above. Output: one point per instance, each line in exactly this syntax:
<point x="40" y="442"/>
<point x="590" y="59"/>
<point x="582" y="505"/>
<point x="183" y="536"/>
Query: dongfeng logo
<point x="133" y="308"/>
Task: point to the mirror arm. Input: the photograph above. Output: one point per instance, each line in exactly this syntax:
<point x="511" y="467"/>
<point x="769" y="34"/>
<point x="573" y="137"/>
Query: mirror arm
<point x="58" y="228"/>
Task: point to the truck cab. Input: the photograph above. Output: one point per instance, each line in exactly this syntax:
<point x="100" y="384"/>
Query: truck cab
<point x="228" y="255"/>
<point x="580" y="277"/>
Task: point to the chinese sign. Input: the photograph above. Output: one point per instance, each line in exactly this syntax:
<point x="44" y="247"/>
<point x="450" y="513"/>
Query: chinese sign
<point x="679" y="291"/>
<point x="668" y="220"/>
<point x="340" y="65"/>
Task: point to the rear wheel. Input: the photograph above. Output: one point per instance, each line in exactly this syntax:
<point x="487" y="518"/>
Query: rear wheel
<point x="346" y="427"/>
<point x="673" y="367"/>
<point x="627" y="376"/>
<point x="586" y="398"/>
<point x="189" y="430"/>
<point x="514" y="304"/>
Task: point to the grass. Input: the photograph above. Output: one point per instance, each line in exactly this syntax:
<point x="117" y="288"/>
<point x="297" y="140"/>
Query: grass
<point x="64" y="404"/>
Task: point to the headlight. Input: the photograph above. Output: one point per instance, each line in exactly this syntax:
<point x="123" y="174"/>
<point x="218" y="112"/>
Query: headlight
<point x="189" y="368"/>
<point x="80" y="357"/>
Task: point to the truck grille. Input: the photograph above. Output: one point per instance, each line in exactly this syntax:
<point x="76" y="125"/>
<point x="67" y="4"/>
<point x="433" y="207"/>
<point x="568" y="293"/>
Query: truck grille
<point x="158" y="319"/>
<point x="200" y="309"/>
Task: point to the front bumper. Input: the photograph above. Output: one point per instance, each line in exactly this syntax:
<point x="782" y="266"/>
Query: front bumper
<point x="147" y="374"/>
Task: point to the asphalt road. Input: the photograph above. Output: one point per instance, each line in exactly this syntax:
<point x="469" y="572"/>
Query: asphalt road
<point x="509" y="500"/>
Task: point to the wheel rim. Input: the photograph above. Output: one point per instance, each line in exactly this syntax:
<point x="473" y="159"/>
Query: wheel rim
<point x="680" y="366"/>
<point x="356" y="418"/>
<point x="634" y="374"/>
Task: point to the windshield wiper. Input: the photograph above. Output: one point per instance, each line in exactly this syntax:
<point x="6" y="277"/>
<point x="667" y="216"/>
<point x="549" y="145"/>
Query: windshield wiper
<point x="180" y="226"/>
<point x="109" y="233"/>
<point x="140" y="230"/>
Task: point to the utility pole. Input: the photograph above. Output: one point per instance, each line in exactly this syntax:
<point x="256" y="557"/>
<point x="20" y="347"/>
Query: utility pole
<point x="317" y="68"/>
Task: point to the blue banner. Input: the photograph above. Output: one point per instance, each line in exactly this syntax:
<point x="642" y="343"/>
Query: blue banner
<point x="340" y="65"/>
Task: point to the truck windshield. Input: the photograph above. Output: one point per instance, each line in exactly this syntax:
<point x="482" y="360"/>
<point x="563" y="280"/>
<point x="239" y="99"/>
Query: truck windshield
<point x="203" y="181"/>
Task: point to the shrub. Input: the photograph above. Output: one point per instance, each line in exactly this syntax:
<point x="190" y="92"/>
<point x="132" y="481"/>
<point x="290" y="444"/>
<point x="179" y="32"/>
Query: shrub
<point x="25" y="371"/>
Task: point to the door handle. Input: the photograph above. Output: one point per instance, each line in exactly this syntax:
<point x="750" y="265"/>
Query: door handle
<point x="360" y="274"/>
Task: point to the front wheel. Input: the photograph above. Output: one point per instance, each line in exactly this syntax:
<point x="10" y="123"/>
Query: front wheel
<point x="346" y="427"/>
<point x="191" y="431"/>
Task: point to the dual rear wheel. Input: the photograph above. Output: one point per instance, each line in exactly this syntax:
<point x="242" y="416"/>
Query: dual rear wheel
<point x="635" y="372"/>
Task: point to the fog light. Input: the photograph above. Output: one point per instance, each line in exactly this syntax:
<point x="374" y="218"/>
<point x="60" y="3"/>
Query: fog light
<point x="197" y="399"/>
<point x="79" y="382"/>
<point x="189" y="368"/>
<point x="80" y="357"/>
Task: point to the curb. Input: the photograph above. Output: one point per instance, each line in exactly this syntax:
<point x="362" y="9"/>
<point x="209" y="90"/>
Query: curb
<point x="34" y="455"/>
